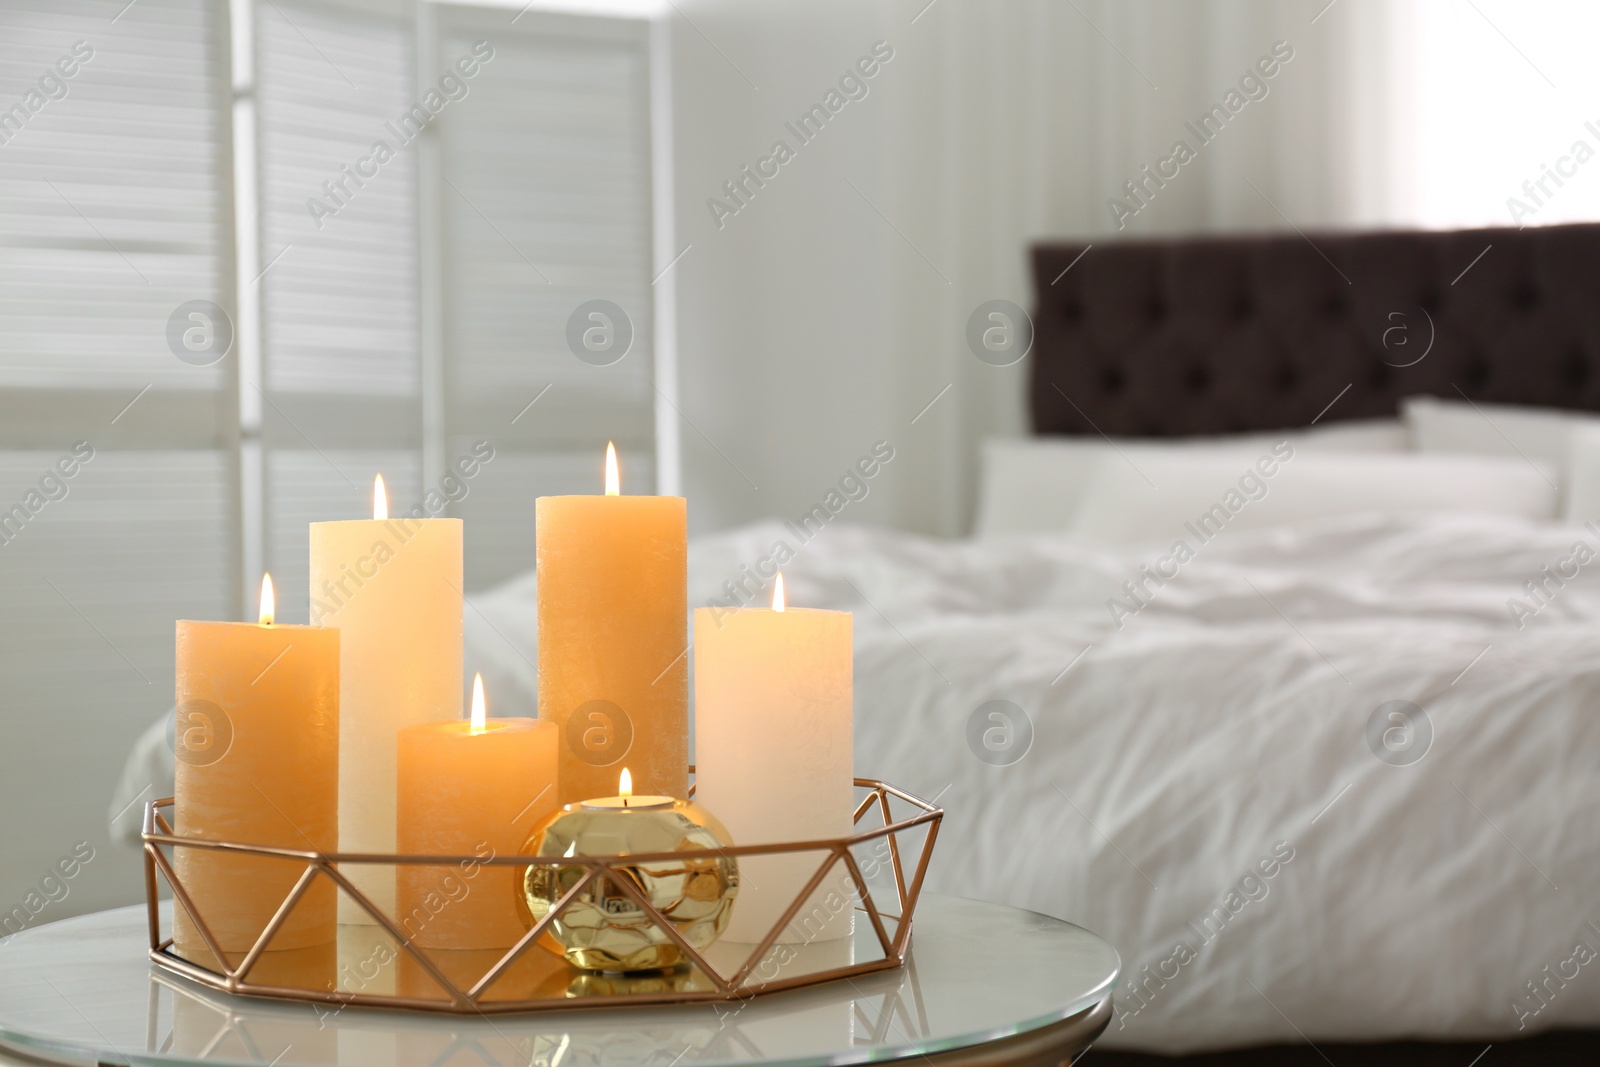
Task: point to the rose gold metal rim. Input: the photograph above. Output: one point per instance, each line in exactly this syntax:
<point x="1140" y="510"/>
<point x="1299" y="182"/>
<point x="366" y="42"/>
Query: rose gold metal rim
<point x="158" y="834"/>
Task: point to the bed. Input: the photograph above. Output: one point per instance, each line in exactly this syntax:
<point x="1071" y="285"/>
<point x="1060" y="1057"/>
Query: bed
<point x="1319" y="785"/>
<point x="1426" y="906"/>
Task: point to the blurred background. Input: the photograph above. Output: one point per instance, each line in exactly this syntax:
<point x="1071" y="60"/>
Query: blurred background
<point x="253" y="252"/>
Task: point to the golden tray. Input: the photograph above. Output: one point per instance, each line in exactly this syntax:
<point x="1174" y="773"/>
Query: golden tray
<point x="525" y="978"/>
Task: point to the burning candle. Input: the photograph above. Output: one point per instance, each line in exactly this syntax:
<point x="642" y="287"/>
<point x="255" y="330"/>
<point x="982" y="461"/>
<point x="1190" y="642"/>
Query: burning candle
<point x="393" y="588"/>
<point x="625" y="800"/>
<point x="469" y="788"/>
<point x="605" y="928"/>
<point x="613" y="605"/>
<point x="774" y="754"/>
<point x="257" y="762"/>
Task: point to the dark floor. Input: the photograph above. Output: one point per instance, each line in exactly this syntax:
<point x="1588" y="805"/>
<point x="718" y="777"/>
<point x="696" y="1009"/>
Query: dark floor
<point x="1562" y="1049"/>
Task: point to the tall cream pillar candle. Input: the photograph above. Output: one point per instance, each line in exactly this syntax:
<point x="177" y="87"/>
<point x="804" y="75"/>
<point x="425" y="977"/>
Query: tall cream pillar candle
<point x="393" y="588"/>
<point x="774" y="755"/>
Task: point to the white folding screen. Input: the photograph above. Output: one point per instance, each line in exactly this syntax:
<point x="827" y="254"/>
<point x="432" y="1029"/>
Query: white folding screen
<point x="111" y="149"/>
<point x="117" y="481"/>
<point x="338" y="214"/>
<point x="166" y="171"/>
<point x="339" y="256"/>
<point x="544" y="187"/>
<point x="525" y="138"/>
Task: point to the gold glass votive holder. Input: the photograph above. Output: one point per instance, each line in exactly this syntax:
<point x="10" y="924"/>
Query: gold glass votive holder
<point x="611" y="921"/>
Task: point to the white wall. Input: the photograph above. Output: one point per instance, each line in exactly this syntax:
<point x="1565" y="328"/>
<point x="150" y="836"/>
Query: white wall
<point x="1504" y="89"/>
<point x="831" y="309"/>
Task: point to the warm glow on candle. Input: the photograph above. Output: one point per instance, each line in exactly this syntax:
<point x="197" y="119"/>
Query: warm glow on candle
<point x="612" y="599"/>
<point x="480" y="713"/>
<point x="625" y="799"/>
<point x="269" y="603"/>
<point x="777" y="593"/>
<point x="466" y="787"/>
<point x="271" y="777"/>
<point x="773" y="698"/>
<point x="390" y="585"/>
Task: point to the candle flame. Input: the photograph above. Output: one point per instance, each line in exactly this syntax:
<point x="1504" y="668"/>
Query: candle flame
<point x="480" y="711"/>
<point x="380" y="498"/>
<point x="625" y="784"/>
<point x="613" y="481"/>
<point x="269" y="603"/>
<point x="777" y="593"/>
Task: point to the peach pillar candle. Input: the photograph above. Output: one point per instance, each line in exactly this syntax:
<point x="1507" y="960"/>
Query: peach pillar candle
<point x="393" y="588"/>
<point x="613" y="607"/>
<point x="469" y="788"/>
<point x="774" y="755"/>
<point x="257" y="762"/>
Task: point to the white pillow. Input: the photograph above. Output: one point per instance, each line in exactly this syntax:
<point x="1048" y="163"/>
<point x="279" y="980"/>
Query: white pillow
<point x="1545" y="436"/>
<point x="1036" y="485"/>
<point x="1195" y="497"/>
<point x="1582" y="488"/>
<point x="1469" y="428"/>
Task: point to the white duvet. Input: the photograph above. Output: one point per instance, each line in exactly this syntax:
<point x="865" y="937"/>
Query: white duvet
<point x="1200" y="787"/>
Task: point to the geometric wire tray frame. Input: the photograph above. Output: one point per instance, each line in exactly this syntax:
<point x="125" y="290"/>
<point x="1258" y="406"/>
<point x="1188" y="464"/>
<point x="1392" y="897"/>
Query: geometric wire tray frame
<point x="158" y="834"/>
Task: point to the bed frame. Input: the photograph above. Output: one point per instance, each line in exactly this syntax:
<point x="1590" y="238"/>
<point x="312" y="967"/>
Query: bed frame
<point x="1239" y="334"/>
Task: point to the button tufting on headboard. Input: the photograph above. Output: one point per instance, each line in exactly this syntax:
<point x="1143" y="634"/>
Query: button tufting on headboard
<point x="1216" y="335"/>
<point x="1576" y="369"/>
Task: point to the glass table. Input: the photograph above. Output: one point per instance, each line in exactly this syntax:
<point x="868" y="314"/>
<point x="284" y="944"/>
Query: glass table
<point x="984" y="983"/>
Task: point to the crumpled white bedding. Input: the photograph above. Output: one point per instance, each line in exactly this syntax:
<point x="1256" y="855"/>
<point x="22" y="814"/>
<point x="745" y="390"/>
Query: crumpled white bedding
<point x="1221" y="734"/>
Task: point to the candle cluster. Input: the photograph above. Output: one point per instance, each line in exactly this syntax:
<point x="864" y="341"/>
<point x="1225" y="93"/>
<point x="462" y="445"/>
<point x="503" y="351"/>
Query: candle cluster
<point x="347" y="736"/>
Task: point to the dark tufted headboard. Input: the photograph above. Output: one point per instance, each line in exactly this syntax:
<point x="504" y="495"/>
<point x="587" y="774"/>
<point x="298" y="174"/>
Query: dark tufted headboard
<point x="1225" y="335"/>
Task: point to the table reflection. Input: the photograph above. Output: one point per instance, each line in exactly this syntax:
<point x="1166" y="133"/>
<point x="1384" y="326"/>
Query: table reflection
<point x="196" y="1023"/>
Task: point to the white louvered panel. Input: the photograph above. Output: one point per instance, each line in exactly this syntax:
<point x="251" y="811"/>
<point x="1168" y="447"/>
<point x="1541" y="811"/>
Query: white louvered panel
<point x="546" y="206"/>
<point x="306" y="487"/>
<point x="339" y="299"/>
<point x="111" y="213"/>
<point x="499" y="506"/>
<point x="91" y="586"/>
<point x="86" y="315"/>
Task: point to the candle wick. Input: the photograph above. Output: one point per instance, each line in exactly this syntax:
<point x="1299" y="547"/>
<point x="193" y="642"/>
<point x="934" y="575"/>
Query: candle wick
<point x="624" y="801"/>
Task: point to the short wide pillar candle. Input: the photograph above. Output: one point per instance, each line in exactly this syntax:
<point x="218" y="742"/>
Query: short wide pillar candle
<point x="774" y="757"/>
<point x="257" y="763"/>
<point x="613" y="636"/>
<point x="466" y="792"/>
<point x="393" y="588"/>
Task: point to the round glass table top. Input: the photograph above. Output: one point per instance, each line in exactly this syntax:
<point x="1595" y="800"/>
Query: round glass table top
<point x="84" y="990"/>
